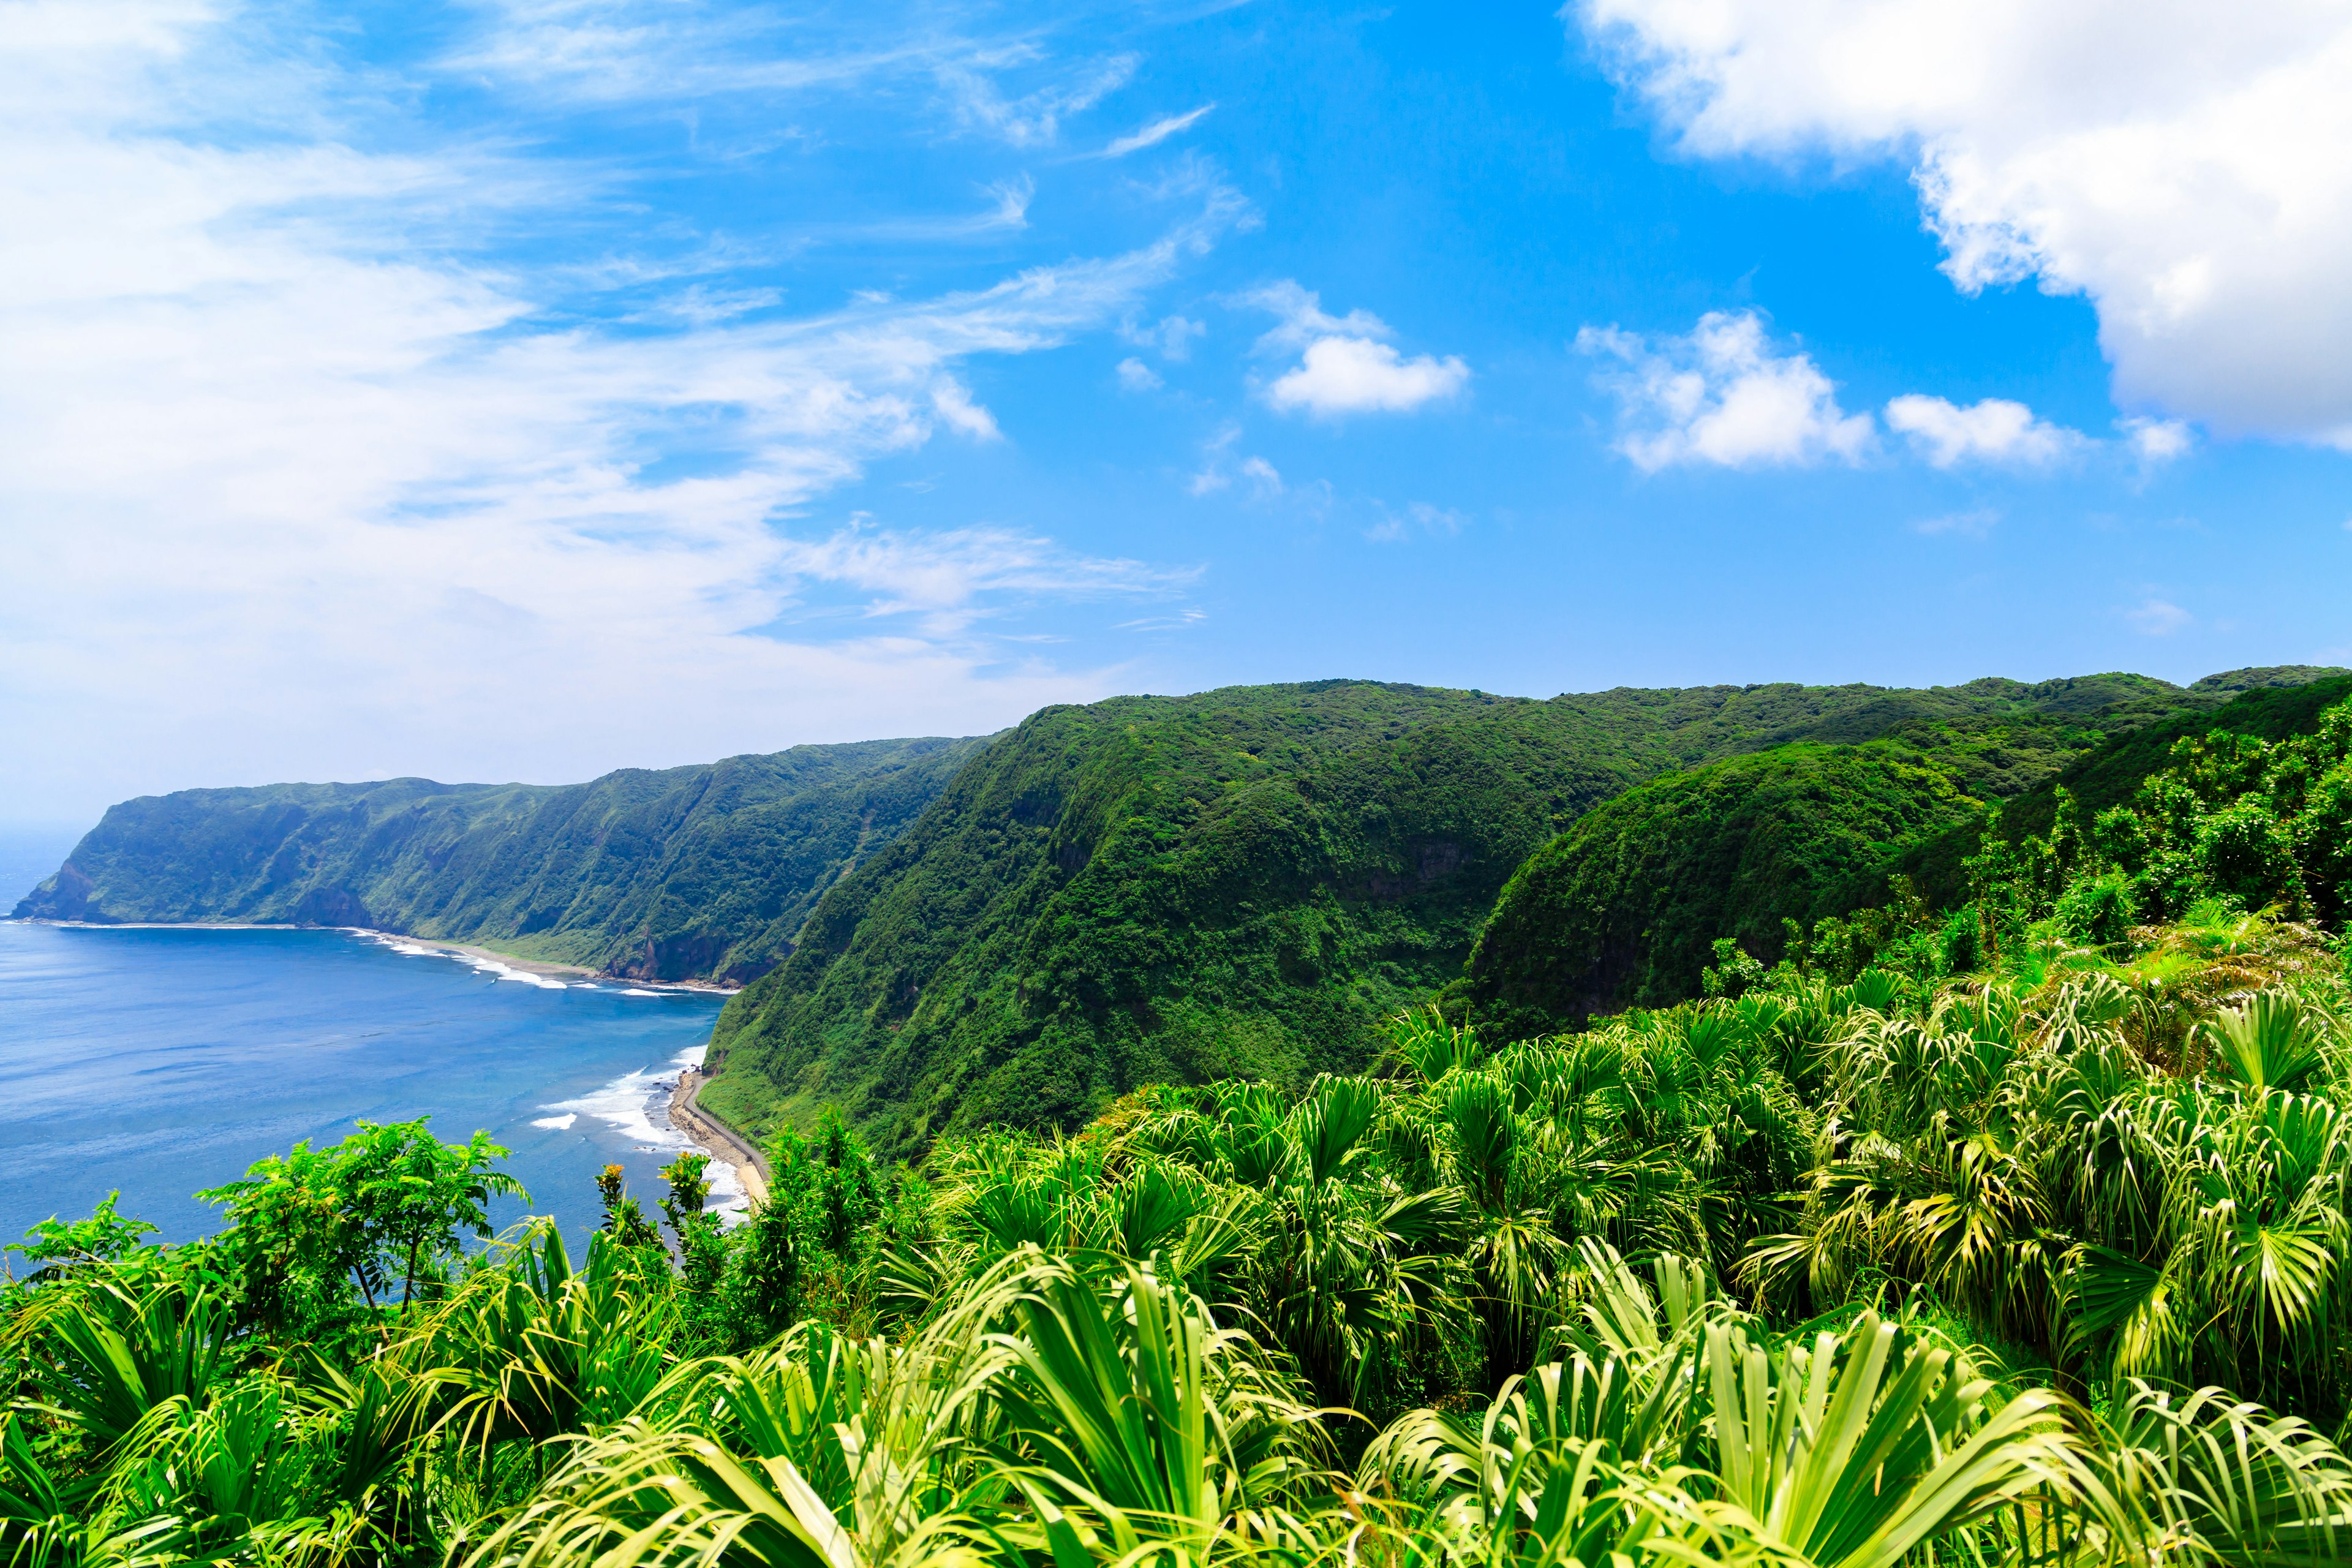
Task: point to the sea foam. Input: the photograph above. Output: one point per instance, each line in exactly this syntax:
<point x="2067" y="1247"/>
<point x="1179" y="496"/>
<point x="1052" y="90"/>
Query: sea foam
<point x="636" y="1105"/>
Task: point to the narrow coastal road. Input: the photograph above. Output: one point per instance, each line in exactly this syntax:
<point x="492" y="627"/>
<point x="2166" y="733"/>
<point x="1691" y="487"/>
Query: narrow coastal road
<point x="750" y="1165"/>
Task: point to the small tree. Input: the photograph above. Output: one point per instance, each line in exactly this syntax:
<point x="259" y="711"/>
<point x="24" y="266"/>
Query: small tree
<point x="701" y="1247"/>
<point x="387" y="1204"/>
<point x="625" y="1221"/>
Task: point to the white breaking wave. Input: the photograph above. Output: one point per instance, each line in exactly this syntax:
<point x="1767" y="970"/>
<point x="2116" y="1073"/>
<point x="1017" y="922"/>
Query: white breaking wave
<point x="633" y="991"/>
<point x="496" y="970"/>
<point x="636" y="1105"/>
<point x="561" y="1123"/>
<point x="477" y="963"/>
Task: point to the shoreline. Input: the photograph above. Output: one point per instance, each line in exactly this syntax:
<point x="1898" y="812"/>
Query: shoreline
<point x="464" y="949"/>
<point x="750" y="1165"/>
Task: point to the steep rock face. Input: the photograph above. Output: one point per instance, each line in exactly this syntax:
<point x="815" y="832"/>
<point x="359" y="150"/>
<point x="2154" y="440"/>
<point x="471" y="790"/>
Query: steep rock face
<point x="695" y="872"/>
<point x="1244" y="880"/>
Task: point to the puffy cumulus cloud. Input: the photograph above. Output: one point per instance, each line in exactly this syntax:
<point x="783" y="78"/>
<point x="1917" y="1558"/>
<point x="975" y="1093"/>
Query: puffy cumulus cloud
<point x="1356" y="376"/>
<point x="1995" y="430"/>
<point x="2188" y="166"/>
<point x="1346" y="367"/>
<point x="297" y="488"/>
<point x="1722" y="395"/>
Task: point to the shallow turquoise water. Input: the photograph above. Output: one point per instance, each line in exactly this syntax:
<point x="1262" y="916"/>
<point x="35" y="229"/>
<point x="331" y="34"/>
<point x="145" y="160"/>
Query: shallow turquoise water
<point x="160" y="1061"/>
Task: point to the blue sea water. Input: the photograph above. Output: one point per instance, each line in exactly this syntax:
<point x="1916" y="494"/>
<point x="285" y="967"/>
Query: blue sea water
<point x="160" y="1060"/>
<point x="29" y="854"/>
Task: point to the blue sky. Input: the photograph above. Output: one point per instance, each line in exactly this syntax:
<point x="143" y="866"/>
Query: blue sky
<point x="523" y="390"/>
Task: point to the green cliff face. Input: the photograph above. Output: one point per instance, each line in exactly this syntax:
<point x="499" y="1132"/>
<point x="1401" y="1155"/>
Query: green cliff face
<point x="1247" y="881"/>
<point x="694" y="872"/>
<point x="1624" y="907"/>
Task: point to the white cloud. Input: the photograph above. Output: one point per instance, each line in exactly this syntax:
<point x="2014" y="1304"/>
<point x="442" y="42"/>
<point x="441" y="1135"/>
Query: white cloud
<point x="1300" y="318"/>
<point x="1156" y="132"/>
<point x="1996" y="430"/>
<point x="2156" y="440"/>
<point x="955" y="408"/>
<point x="373" y="507"/>
<point x="2157" y="617"/>
<point x="1721" y="395"/>
<point x="1215" y="452"/>
<point x="1134" y="375"/>
<point x="1264" y="477"/>
<point x="1034" y="118"/>
<point x="1356" y="376"/>
<point x="944" y="578"/>
<point x="1344" y="366"/>
<point x="2186" y="166"/>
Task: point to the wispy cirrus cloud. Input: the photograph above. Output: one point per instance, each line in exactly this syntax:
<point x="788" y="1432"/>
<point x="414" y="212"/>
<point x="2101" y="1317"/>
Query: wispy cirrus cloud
<point x="1156" y="132"/>
<point x="2157" y="617"/>
<point x="269" y="421"/>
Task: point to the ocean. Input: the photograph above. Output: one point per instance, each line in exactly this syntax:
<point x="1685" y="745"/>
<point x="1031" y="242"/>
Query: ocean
<point x="160" y="1061"/>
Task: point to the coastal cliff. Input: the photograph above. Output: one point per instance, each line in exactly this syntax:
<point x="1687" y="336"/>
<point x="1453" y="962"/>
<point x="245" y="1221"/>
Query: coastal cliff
<point x="692" y="873"/>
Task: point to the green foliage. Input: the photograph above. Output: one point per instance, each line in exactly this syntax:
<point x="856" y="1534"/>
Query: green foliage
<point x="2038" y="1270"/>
<point x="60" y="1246"/>
<point x="1249" y="881"/>
<point x="1623" y="909"/>
<point x="624" y="1218"/>
<point x="699" y="871"/>
<point x="2001" y="1229"/>
<point x="1813" y="856"/>
<point x="387" y="1206"/>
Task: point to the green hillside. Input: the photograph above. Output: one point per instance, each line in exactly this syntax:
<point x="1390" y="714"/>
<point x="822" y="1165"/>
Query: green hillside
<point x="1621" y="908"/>
<point x="1246" y="880"/>
<point x="2016" y="1241"/>
<point x="1626" y="907"/>
<point x="2110" y="776"/>
<point x="693" y="872"/>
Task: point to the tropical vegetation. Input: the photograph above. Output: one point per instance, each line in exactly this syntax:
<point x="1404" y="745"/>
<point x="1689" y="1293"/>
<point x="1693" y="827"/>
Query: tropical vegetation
<point x="1249" y="882"/>
<point x="2010" y="1232"/>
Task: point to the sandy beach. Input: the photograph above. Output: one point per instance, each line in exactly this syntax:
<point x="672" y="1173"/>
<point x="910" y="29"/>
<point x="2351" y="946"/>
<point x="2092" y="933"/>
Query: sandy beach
<point x="463" y="950"/>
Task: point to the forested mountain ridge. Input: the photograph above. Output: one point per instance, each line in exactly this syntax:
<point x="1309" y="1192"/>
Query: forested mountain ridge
<point x="1626" y="907"/>
<point x="695" y="872"/>
<point x="1247" y="881"/>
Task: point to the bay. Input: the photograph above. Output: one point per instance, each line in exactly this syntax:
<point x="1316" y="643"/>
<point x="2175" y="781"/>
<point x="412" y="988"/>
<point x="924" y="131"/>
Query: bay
<point x="159" y="1060"/>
